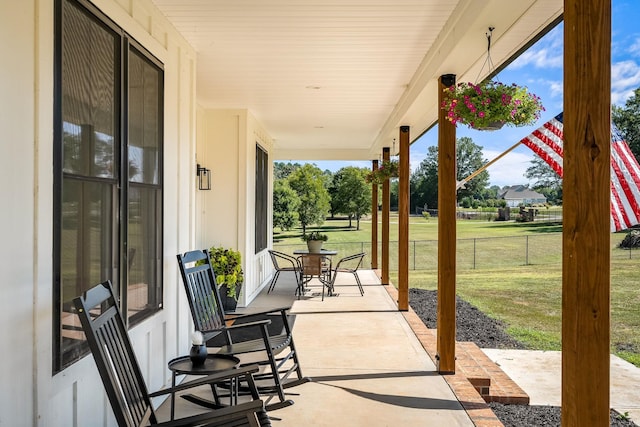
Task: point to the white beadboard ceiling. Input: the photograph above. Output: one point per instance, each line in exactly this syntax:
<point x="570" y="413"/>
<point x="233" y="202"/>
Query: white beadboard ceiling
<point x="335" y="79"/>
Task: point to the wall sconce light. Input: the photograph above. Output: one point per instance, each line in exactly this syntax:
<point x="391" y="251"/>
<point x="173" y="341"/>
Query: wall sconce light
<point x="204" y="178"/>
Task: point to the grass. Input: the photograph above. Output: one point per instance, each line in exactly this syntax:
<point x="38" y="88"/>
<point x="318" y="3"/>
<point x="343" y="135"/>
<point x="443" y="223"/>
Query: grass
<point x="420" y="229"/>
<point x="526" y="297"/>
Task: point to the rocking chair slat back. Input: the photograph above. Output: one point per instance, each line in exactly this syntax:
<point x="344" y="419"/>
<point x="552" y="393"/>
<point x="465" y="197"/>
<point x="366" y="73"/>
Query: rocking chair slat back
<point x="200" y="285"/>
<point x="114" y="356"/>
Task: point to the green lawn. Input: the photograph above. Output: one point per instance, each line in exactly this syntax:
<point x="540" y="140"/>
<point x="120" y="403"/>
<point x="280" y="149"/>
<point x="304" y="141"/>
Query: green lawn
<point x="420" y="229"/>
<point x="526" y="297"/>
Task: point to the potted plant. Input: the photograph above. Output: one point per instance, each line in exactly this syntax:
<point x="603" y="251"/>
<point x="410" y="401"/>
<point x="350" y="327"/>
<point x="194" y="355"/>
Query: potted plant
<point x="490" y="105"/>
<point x="388" y="169"/>
<point x="227" y="266"/>
<point x="314" y="241"/>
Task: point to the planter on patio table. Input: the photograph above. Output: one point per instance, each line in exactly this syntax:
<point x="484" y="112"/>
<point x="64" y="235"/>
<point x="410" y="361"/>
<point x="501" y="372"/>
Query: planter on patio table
<point x="314" y="246"/>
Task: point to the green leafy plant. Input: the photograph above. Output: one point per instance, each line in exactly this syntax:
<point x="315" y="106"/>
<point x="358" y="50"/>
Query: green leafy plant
<point x="227" y="266"/>
<point x="491" y="104"/>
<point x="388" y="169"/>
<point x="315" y="235"/>
<point x="624" y="416"/>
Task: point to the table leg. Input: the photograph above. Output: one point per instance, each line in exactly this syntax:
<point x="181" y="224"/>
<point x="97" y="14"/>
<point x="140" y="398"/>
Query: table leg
<point x="173" y="395"/>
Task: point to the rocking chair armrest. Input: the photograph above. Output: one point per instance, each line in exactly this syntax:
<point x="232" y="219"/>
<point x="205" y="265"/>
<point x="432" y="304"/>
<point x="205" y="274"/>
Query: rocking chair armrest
<point x="209" y="379"/>
<point x="217" y="417"/>
<point x="246" y="325"/>
<point x="262" y="313"/>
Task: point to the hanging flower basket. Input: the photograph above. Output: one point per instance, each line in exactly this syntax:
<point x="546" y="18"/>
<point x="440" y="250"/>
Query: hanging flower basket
<point x="388" y="169"/>
<point x="490" y="105"/>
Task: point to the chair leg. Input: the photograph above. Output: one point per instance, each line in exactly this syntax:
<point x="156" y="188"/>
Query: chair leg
<point x="300" y="283"/>
<point x="355" y="273"/>
<point x="273" y="281"/>
<point x="326" y="283"/>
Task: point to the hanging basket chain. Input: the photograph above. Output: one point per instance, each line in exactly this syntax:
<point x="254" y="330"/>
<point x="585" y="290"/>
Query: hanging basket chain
<point x="488" y="60"/>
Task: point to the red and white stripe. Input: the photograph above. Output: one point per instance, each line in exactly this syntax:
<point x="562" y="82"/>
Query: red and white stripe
<point x="546" y="142"/>
<point x="625" y="184"/>
<point x="625" y="170"/>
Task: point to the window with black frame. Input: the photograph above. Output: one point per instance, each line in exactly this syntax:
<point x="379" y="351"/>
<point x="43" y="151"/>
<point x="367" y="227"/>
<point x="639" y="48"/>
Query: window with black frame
<point x="261" y="209"/>
<point x="107" y="171"/>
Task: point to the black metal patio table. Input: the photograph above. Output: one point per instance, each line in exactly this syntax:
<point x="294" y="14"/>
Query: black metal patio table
<point x="213" y="363"/>
<point x="317" y="264"/>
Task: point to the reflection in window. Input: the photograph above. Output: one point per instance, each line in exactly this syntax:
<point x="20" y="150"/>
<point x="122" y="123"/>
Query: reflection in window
<point x="143" y="261"/>
<point x="144" y="127"/>
<point x="101" y="176"/>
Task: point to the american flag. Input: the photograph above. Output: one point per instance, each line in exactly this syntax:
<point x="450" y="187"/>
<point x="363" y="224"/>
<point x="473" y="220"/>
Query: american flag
<point x="546" y="142"/>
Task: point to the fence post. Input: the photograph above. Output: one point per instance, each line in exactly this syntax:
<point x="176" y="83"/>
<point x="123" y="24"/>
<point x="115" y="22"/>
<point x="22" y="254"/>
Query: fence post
<point x="474" y="253"/>
<point x="414" y="255"/>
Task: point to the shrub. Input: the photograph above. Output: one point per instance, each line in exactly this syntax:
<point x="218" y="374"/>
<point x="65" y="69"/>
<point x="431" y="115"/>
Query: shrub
<point x="227" y="266"/>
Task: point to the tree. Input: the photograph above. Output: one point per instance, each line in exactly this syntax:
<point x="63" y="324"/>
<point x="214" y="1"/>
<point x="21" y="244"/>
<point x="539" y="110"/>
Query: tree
<point x="285" y="205"/>
<point x="350" y="194"/>
<point x="282" y="170"/>
<point x="308" y="182"/>
<point x="468" y="160"/>
<point x="394" y="194"/>
<point x="547" y="182"/>
<point x="424" y="182"/>
<point x="627" y="120"/>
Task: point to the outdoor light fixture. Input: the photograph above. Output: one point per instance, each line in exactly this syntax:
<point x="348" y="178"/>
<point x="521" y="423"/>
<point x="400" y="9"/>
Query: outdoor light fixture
<point x="204" y="178"/>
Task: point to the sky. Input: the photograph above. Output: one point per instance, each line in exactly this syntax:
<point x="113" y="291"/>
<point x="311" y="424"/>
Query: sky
<point x="540" y="69"/>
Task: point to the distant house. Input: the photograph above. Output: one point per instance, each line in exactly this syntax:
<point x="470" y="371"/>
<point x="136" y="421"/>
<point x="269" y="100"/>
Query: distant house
<point x="520" y="194"/>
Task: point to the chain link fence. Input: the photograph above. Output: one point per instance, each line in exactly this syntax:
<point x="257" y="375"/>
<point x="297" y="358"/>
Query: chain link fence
<point x="472" y="254"/>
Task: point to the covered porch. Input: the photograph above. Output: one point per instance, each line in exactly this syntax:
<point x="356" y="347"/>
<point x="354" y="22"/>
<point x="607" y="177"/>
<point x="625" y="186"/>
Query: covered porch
<point x="297" y="82"/>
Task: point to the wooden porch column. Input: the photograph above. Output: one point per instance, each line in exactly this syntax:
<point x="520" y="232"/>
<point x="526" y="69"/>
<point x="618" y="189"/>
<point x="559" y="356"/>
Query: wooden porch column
<point x="374" y="220"/>
<point x="586" y="220"/>
<point x="446" y="324"/>
<point x="403" y="221"/>
<point x="386" y="206"/>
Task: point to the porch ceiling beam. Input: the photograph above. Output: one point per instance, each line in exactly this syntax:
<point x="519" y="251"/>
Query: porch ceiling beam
<point x="416" y="107"/>
<point x="315" y="153"/>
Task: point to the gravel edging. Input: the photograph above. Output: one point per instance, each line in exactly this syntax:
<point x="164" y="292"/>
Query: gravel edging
<point x="473" y="325"/>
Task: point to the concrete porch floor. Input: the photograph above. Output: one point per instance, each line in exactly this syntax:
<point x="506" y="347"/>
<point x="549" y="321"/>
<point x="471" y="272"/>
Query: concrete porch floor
<point x="366" y="364"/>
<point x="368" y="367"/>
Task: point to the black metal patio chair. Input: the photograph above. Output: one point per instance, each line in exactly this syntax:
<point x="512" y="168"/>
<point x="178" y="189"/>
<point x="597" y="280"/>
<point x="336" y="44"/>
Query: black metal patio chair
<point x="348" y="264"/>
<point x="122" y="378"/>
<point x="284" y="262"/>
<point x="270" y="349"/>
